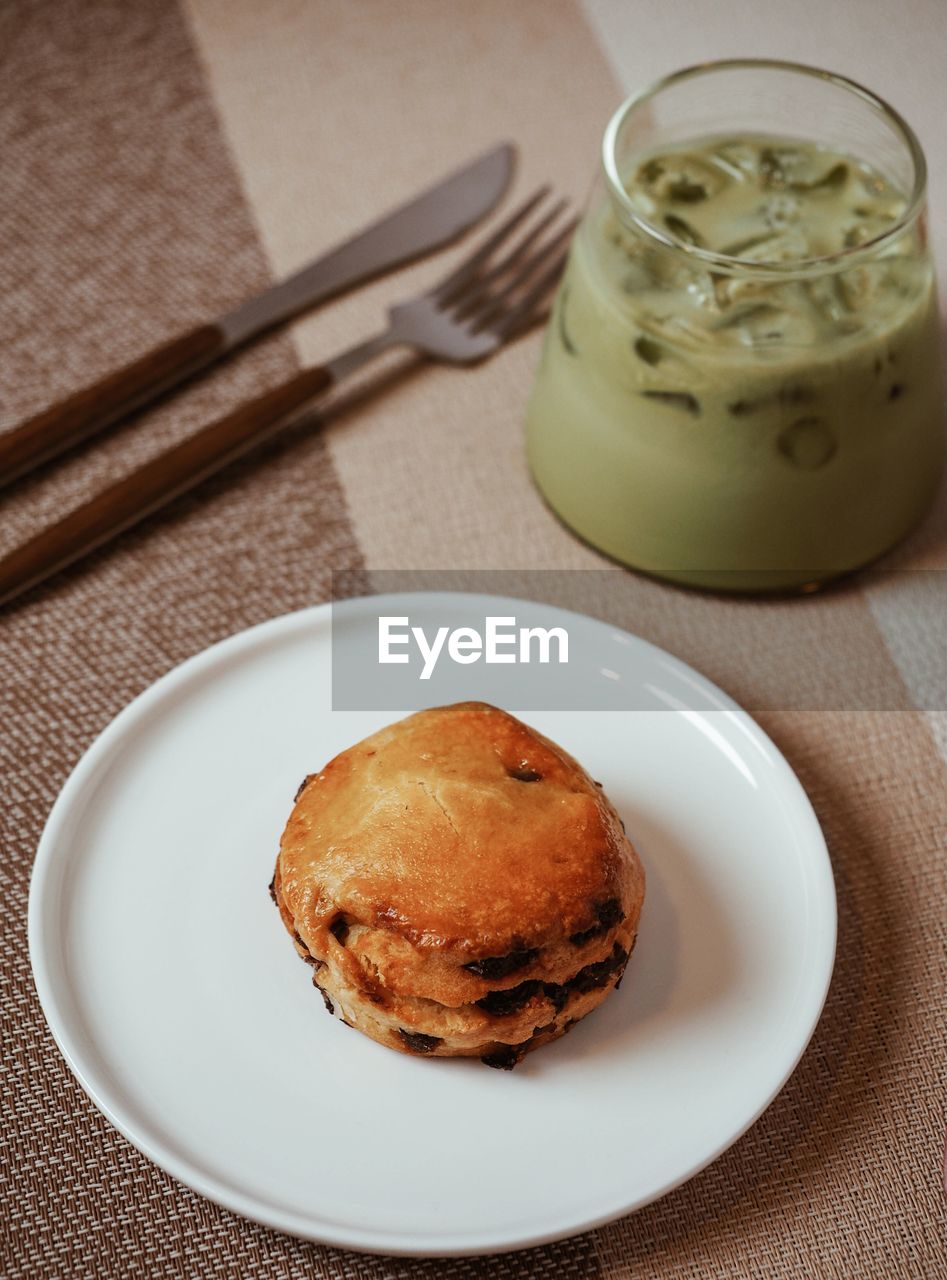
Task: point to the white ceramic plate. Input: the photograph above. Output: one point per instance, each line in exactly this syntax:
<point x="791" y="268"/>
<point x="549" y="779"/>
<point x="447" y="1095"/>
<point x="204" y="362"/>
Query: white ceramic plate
<point x="177" y="1000"/>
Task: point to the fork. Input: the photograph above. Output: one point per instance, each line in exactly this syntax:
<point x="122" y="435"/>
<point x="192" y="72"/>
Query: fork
<point x="495" y="294"/>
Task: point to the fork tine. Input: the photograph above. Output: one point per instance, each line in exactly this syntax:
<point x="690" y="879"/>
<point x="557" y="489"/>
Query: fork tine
<point x="469" y="294"/>
<point x="486" y="310"/>
<point x="521" y="316"/>
<point x="489" y="246"/>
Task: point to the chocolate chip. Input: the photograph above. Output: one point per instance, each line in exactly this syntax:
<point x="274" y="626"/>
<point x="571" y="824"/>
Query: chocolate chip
<point x="597" y="975"/>
<point x="505" y="1056"/>
<point x="272" y="888"/>
<point x="502" y="1003"/>
<point x="308" y="957"/>
<point x="525" y="775"/>
<point x="325" y="997"/>
<point x="558" y="993"/>
<point x="634" y="943"/>
<point x="588" y="979"/>
<point x="608" y="913"/>
<point x="417" y="1042"/>
<point x="302" y="786"/>
<point x="339" y="928"/>
<point x="495" y="967"/>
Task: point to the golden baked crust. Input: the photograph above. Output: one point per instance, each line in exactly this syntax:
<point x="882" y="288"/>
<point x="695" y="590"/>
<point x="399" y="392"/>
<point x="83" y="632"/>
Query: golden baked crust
<point x="459" y="879"/>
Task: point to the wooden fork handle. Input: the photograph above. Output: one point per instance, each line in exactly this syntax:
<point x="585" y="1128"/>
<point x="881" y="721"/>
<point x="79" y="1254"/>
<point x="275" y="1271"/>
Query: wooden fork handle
<point x="90" y="410"/>
<point x="171" y="473"/>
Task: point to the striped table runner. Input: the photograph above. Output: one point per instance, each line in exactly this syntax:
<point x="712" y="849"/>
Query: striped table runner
<point x="161" y="159"/>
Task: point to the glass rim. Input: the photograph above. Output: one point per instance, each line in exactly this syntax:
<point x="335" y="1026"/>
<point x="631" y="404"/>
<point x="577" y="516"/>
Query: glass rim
<point x="727" y="263"/>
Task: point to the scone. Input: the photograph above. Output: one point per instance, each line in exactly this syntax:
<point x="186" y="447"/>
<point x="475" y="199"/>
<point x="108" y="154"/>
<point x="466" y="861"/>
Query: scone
<point x="460" y="886"/>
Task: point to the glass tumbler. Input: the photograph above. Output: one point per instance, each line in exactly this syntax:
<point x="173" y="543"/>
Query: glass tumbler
<point x="740" y="386"/>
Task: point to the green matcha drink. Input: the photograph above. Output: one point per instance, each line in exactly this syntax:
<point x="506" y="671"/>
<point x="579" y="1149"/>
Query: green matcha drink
<point x="746" y="393"/>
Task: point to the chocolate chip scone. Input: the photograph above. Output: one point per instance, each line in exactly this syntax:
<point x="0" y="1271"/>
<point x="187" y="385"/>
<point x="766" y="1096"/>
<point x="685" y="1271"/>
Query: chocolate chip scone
<point x="460" y="886"/>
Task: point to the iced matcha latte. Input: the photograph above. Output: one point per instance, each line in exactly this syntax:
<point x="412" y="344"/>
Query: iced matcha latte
<point x="740" y="385"/>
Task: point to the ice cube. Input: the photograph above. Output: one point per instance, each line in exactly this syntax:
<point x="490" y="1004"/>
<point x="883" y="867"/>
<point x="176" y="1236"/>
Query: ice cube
<point x="789" y="245"/>
<point x="764" y="324"/>
<point x="784" y="167"/>
<point x="736" y="159"/>
<point x="780" y="209"/>
<point x="677" y="178"/>
<point x="729" y="290"/>
<point x="808" y="443"/>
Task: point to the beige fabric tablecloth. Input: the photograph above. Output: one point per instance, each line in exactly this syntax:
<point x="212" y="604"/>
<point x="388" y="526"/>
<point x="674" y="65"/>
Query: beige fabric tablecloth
<point x="160" y="162"/>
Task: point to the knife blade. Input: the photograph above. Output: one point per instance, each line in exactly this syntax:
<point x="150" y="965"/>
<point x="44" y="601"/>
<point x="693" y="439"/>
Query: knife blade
<point x="427" y="222"/>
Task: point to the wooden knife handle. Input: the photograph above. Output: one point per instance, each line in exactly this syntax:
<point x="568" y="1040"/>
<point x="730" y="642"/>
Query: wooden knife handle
<point x="171" y="473"/>
<point x="90" y="410"/>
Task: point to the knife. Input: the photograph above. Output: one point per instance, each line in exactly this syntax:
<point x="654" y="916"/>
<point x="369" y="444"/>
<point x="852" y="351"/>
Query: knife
<point x="428" y="222"/>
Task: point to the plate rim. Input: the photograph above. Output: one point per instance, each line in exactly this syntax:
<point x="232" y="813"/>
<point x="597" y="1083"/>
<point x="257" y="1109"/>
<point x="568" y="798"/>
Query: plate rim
<point x="360" y="1239"/>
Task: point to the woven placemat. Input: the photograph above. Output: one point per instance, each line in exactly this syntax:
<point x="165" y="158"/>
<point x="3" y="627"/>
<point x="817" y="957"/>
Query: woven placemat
<point x="148" y="160"/>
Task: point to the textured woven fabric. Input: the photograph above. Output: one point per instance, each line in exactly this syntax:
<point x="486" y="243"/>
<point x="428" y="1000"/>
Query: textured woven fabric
<point x="159" y="165"/>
